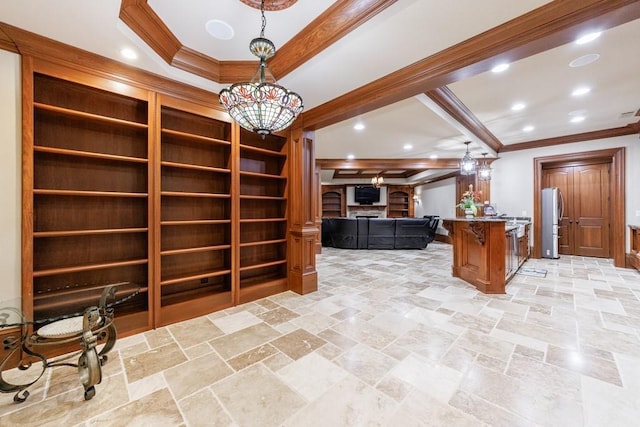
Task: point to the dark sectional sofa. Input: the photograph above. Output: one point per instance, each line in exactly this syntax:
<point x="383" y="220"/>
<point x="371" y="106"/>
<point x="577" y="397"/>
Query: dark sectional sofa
<point x="378" y="233"/>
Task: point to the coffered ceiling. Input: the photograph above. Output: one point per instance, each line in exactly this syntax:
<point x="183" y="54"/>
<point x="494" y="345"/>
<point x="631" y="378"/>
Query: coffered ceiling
<point x="415" y="73"/>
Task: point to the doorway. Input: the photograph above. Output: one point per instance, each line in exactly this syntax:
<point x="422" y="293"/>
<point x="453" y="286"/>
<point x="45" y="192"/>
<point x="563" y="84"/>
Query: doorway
<point x="584" y="226"/>
<point x="548" y="172"/>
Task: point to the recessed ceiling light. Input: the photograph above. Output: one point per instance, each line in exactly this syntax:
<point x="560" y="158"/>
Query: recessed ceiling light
<point x="350" y="157"/>
<point x="518" y="106"/>
<point x="129" y="53"/>
<point x="500" y="68"/>
<point x="584" y="60"/>
<point x="407" y="147"/>
<point x="358" y="126"/>
<point x="578" y="113"/>
<point x="219" y="29"/>
<point x="588" y="37"/>
<point x="582" y="90"/>
<point x="528" y="128"/>
<point x="577" y="119"/>
<point x="433" y="156"/>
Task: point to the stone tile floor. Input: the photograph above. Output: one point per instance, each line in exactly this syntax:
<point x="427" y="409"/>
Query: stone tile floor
<point x="389" y="339"/>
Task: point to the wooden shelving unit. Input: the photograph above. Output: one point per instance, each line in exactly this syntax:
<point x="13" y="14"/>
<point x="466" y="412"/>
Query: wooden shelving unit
<point x="195" y="213"/>
<point x="333" y="201"/>
<point x="400" y="202"/>
<point x="263" y="216"/>
<point x="86" y="185"/>
<point x="125" y="184"/>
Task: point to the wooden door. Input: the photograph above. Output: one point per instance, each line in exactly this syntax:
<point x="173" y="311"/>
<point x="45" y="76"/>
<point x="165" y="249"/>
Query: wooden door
<point x="584" y="227"/>
<point x="591" y="210"/>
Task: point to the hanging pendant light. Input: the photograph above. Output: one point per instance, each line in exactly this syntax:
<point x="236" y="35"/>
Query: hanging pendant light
<point x="484" y="171"/>
<point x="468" y="163"/>
<point x="377" y="181"/>
<point x="262" y="105"/>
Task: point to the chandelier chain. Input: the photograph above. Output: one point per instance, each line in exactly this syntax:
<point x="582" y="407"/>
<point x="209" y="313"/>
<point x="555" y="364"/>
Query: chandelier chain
<point x="264" y="19"/>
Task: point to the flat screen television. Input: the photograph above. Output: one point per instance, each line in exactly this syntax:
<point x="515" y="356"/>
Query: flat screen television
<point x="366" y="194"/>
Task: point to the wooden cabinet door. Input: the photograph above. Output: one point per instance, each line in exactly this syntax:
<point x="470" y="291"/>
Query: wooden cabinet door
<point x="584" y="227"/>
<point x="591" y="210"/>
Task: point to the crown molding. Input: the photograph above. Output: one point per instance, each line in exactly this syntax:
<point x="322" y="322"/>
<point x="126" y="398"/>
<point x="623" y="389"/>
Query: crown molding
<point x="629" y="129"/>
<point x="338" y="20"/>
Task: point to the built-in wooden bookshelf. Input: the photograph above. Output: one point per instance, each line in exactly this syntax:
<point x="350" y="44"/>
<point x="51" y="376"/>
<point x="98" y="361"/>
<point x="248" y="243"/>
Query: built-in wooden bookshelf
<point x="86" y="185"/>
<point x="333" y="201"/>
<point x="195" y="250"/>
<point x="400" y="202"/>
<point x="123" y="184"/>
<point x="263" y="216"/>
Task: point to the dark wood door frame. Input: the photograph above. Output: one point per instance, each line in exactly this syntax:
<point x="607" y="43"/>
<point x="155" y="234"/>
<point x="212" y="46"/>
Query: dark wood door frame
<point x="617" y="187"/>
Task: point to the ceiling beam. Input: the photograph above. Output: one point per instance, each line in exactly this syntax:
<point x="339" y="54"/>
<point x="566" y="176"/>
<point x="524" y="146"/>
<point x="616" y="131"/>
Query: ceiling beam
<point x="338" y="20"/>
<point x="389" y="164"/>
<point x="453" y="106"/>
<point x="436" y="179"/>
<point x="629" y="129"/>
<point x="549" y="26"/>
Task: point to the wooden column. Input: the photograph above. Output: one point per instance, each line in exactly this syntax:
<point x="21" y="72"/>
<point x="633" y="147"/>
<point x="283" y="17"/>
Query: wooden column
<point x="303" y="195"/>
<point x="318" y="198"/>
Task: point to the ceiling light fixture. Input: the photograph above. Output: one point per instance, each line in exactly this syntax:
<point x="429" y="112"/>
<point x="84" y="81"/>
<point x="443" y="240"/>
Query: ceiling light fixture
<point x="584" y="60"/>
<point x="358" y="126"/>
<point x="588" y="37"/>
<point x="468" y="163"/>
<point x="407" y="147"/>
<point x="500" y="68"/>
<point x="350" y="157"/>
<point x="262" y="105"/>
<point x="528" y="128"/>
<point x="581" y="91"/>
<point x="577" y="119"/>
<point x="518" y="106"/>
<point x="377" y="181"/>
<point x="129" y="53"/>
<point x="219" y="29"/>
<point x="484" y="171"/>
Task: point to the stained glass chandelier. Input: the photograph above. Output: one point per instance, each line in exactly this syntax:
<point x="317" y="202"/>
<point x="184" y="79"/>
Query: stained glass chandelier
<point x="262" y="105"/>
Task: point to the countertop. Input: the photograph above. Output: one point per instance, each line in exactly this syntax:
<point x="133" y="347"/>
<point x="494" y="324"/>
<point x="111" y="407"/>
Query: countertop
<point x="511" y="223"/>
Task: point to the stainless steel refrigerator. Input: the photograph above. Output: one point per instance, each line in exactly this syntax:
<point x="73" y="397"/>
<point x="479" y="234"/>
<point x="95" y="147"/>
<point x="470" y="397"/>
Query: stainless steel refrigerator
<point x="552" y="211"/>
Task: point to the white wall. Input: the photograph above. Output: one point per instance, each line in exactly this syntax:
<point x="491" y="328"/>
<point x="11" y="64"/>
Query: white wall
<point x="10" y="176"/>
<point x="512" y="182"/>
<point x="437" y="198"/>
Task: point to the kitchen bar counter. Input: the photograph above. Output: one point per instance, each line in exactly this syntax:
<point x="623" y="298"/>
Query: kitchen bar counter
<point x="487" y="251"/>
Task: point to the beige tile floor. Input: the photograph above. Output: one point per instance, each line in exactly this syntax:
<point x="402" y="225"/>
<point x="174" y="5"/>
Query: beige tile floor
<point x="389" y="339"/>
